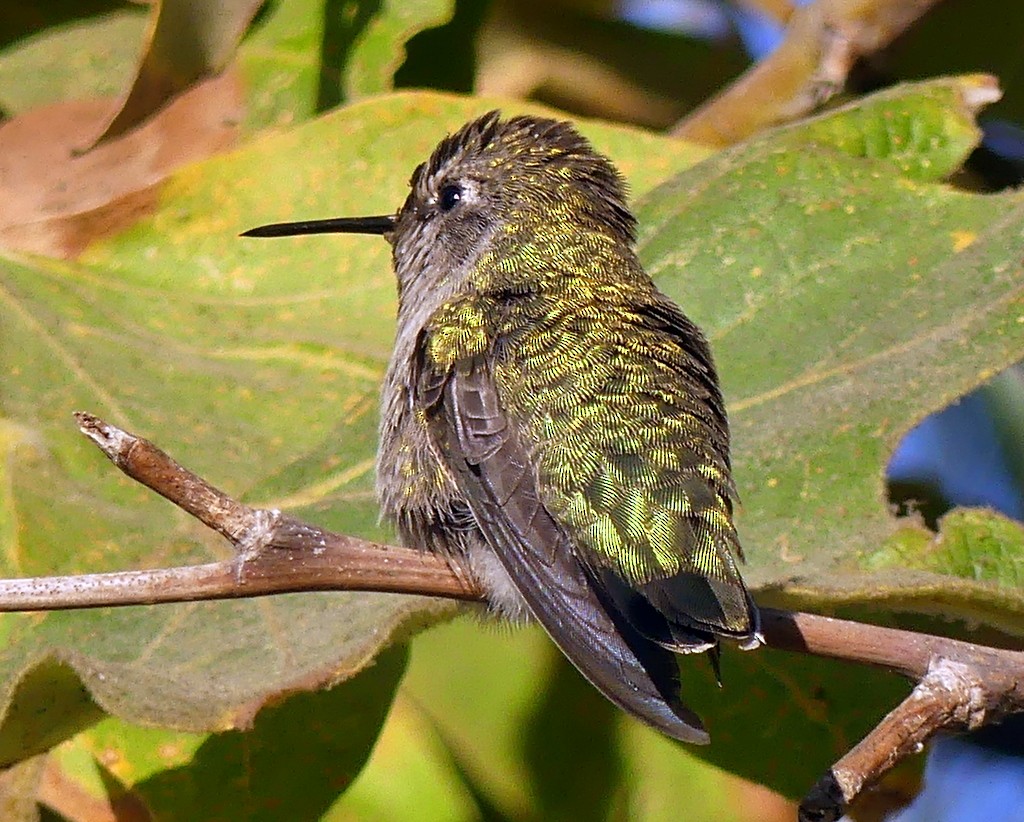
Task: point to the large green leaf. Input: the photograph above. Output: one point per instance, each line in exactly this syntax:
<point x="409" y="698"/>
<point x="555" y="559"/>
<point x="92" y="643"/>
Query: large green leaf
<point x="299" y="58"/>
<point x="847" y="293"/>
<point x="380" y="49"/>
<point x="846" y="303"/>
<point x="298" y="755"/>
<point x="66" y="52"/>
<point x="533" y="741"/>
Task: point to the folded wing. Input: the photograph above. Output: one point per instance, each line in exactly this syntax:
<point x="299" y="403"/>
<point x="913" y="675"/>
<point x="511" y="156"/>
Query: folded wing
<point x="489" y="455"/>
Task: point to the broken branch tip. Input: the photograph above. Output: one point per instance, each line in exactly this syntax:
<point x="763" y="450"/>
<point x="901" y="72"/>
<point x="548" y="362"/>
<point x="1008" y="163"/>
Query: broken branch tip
<point x="110" y="439"/>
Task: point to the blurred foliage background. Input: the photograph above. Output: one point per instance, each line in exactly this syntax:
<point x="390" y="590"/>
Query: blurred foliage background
<point x="487" y="723"/>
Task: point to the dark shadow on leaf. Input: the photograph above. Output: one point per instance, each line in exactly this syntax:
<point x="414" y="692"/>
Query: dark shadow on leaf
<point x="572" y="750"/>
<point x="300" y="755"/>
<point x="344" y="22"/>
<point x="21" y="20"/>
<point x="456" y="40"/>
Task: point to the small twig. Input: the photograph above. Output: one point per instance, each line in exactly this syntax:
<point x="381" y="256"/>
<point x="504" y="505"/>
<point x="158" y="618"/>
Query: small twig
<point x="952" y="696"/>
<point x="960" y="685"/>
<point x="903" y="652"/>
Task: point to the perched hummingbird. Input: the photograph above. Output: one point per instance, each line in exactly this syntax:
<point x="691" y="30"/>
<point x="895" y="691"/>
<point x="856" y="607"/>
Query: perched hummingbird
<point x="551" y="422"/>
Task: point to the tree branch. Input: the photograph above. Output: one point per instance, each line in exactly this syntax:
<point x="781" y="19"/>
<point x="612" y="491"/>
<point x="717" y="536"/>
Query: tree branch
<point x="960" y="686"/>
<point x="823" y="41"/>
<point x="953" y="695"/>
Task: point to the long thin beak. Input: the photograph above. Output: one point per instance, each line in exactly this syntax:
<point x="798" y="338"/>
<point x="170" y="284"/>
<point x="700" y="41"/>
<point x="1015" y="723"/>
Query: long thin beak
<point x="335" y="225"/>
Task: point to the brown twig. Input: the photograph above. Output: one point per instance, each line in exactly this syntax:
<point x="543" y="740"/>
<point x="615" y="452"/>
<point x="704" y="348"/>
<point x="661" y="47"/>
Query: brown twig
<point x="823" y="41"/>
<point x="952" y="696"/>
<point x="960" y="686"/>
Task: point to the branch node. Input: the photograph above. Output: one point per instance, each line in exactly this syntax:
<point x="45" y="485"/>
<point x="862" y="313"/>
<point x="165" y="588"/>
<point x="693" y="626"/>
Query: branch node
<point x="256" y="538"/>
<point x="961" y="685"/>
<point x="952" y="695"/>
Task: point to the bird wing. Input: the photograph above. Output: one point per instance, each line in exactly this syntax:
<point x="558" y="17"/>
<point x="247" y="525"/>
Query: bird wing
<point x="489" y="455"/>
<point x="634" y="463"/>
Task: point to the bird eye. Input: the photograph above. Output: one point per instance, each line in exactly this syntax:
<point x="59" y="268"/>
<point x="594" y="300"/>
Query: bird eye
<point x="451" y="196"/>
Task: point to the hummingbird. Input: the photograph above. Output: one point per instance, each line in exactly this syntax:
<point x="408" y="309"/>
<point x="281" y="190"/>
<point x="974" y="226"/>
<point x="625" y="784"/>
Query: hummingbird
<point x="551" y="423"/>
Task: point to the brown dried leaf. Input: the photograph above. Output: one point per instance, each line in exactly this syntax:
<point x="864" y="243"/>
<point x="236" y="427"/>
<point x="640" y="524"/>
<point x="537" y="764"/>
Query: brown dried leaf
<point x="188" y="42"/>
<point x="55" y="201"/>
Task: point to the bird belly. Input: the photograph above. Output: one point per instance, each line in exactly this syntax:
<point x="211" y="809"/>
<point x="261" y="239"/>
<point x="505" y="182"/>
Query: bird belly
<point x="503" y="597"/>
<point x="464" y="547"/>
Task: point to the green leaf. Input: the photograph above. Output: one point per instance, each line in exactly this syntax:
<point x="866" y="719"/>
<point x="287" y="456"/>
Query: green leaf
<point x="473" y="690"/>
<point x="294" y="762"/>
<point x="307" y="56"/>
<point x="72" y="58"/>
<point x="973" y="544"/>
<point x="926" y="136"/>
<point x="834" y="332"/>
<point x="381" y="47"/>
<point x="412" y="776"/>
<point x="531" y="740"/>
<point x="299" y="58"/>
